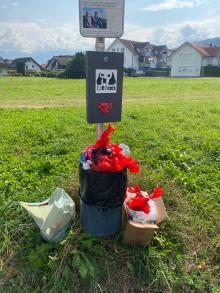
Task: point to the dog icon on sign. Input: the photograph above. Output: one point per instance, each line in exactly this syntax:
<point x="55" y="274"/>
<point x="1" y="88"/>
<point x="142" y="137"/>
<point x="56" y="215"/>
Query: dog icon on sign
<point x="106" y="81"/>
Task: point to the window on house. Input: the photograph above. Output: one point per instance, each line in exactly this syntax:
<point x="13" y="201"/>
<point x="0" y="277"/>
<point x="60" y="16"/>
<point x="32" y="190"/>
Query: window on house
<point x="113" y="49"/>
<point x="185" y="69"/>
<point x="118" y="50"/>
<point x="32" y="66"/>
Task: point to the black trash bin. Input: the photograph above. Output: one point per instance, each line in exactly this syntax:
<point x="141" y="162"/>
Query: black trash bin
<point x="99" y="221"/>
<point x="102" y="196"/>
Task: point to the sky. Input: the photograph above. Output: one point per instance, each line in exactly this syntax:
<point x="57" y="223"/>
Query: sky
<point x="43" y="27"/>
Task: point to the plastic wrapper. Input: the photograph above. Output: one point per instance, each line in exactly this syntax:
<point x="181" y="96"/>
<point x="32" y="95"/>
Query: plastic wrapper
<point x="140" y="207"/>
<point x="53" y="216"/>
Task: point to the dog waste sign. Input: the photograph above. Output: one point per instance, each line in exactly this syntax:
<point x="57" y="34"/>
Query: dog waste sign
<point x="101" y="18"/>
<point x="104" y="79"/>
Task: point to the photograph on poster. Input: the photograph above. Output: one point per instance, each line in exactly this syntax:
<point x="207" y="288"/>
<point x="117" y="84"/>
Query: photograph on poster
<point x="94" y="18"/>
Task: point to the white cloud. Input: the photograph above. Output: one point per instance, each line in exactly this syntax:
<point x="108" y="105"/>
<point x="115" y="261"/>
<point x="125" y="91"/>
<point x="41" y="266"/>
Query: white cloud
<point x="173" y="4"/>
<point x="30" y="37"/>
<point x="173" y="35"/>
<point x="8" y="3"/>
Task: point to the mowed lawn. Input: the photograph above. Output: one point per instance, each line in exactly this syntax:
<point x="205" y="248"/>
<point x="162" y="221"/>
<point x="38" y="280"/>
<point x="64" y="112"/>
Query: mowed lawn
<point x="172" y="127"/>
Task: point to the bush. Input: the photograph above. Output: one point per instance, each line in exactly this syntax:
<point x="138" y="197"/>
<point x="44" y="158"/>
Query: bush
<point x="37" y="74"/>
<point x="76" y="67"/>
<point x="61" y="74"/>
<point x="43" y="73"/>
<point x="51" y="74"/>
<point x="31" y="72"/>
<point x="14" y="73"/>
<point x="211" y="71"/>
<point x="129" y="71"/>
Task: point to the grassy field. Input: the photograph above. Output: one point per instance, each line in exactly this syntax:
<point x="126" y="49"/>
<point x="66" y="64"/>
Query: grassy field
<point x="172" y="127"/>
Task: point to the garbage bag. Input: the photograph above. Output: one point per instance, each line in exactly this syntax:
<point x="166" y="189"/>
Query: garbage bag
<point x="103" y="189"/>
<point x="106" y="157"/>
<point x="53" y="216"/>
<point x="141" y="207"/>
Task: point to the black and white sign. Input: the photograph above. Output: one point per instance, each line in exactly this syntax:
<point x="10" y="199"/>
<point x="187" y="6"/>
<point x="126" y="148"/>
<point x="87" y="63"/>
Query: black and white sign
<point x="101" y="18"/>
<point x="106" y="81"/>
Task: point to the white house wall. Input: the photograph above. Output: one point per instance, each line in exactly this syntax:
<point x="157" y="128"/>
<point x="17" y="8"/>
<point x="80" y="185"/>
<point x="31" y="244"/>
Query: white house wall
<point x="210" y="61"/>
<point x="4" y="71"/>
<point x="186" y="62"/>
<point x="130" y="60"/>
<point x="30" y="65"/>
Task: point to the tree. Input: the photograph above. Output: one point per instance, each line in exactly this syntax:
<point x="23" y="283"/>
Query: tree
<point x="20" y="67"/>
<point x="76" y="67"/>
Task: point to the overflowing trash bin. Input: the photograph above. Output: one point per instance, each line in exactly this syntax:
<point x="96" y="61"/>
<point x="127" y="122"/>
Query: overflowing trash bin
<point x="103" y="184"/>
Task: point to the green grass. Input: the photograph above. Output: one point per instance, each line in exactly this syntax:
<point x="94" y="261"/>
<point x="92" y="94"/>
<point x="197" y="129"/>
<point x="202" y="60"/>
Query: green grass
<point x="44" y="92"/>
<point x="173" y="129"/>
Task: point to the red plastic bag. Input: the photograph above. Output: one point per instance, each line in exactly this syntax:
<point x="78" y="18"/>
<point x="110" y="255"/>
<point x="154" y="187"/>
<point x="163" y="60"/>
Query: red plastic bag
<point x="140" y="202"/>
<point x="107" y="157"/>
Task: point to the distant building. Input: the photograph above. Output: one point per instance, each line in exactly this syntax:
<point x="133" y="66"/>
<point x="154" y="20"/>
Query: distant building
<point x="188" y="59"/>
<point x="29" y="64"/>
<point x="58" y="63"/>
<point x="6" y="67"/>
<point x="141" y="55"/>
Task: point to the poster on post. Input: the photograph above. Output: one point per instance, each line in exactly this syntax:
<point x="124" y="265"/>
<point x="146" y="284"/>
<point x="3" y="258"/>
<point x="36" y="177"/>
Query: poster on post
<point x="104" y="80"/>
<point x="101" y="18"/>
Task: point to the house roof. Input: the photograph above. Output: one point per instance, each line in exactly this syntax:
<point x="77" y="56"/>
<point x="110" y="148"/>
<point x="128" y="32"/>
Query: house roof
<point x="26" y="59"/>
<point x="200" y="49"/>
<point x="212" y="51"/>
<point x="204" y="51"/>
<point x="134" y="47"/>
<point x="62" y="59"/>
<point x="129" y="44"/>
<point x="5" y="64"/>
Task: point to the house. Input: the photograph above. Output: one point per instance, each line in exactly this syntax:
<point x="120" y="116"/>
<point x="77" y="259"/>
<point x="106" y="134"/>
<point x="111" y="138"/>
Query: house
<point x="141" y="55"/>
<point x="58" y="63"/>
<point x="6" y="67"/>
<point x="29" y="64"/>
<point x="189" y="59"/>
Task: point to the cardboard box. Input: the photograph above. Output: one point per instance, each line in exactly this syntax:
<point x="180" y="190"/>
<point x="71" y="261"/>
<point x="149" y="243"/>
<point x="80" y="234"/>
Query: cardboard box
<point x="141" y="234"/>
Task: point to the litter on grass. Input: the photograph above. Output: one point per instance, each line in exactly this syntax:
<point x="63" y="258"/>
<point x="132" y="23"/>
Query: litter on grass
<point x="140" y="206"/>
<point x="53" y="216"/>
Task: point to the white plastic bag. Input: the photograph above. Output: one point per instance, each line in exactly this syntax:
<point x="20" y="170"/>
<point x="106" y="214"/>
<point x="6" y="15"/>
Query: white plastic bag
<point x="141" y="217"/>
<point x="53" y="216"/>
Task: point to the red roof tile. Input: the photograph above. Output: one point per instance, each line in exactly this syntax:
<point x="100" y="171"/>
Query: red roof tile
<point x="206" y="51"/>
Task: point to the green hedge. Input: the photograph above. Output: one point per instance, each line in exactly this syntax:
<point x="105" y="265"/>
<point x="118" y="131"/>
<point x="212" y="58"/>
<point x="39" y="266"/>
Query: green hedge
<point x="211" y="70"/>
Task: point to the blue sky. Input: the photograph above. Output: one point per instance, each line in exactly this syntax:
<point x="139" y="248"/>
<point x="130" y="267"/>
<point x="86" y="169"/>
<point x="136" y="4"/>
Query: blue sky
<point x="30" y="27"/>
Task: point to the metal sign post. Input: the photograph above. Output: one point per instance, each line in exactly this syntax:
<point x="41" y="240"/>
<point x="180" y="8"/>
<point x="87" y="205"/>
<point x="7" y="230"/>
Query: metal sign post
<point x="102" y="19"/>
<point x="100" y="47"/>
